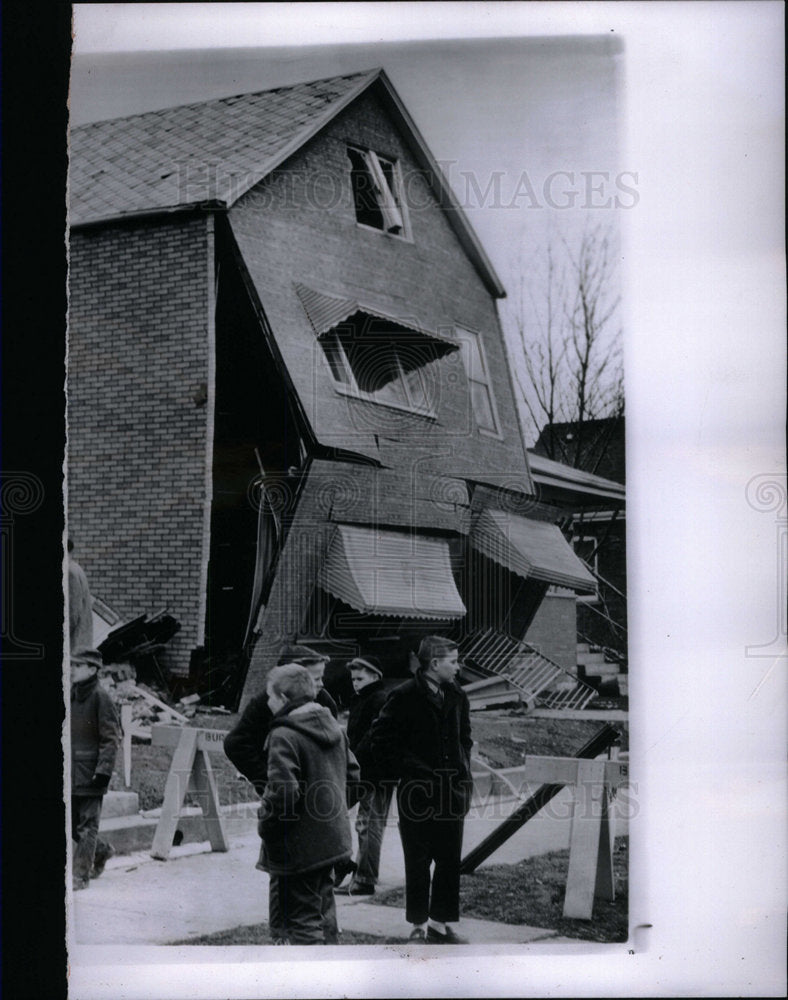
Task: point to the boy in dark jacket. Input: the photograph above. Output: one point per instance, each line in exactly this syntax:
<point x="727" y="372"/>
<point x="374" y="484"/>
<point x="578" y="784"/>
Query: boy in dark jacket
<point x="367" y="677"/>
<point x="304" y="823"/>
<point x="95" y="736"/>
<point x="245" y="743"/>
<point x="422" y="737"/>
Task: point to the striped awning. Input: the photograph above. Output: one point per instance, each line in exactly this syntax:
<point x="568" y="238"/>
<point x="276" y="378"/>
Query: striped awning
<point x="535" y="550"/>
<point x="327" y="311"/>
<point x="384" y="572"/>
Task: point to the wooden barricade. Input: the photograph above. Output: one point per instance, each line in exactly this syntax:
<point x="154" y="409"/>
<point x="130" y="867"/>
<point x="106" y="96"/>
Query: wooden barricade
<point x="594" y="783"/>
<point x="190" y="771"/>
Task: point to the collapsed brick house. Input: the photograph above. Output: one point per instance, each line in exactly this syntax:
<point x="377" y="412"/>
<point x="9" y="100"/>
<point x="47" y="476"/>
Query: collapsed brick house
<point x="290" y="408"/>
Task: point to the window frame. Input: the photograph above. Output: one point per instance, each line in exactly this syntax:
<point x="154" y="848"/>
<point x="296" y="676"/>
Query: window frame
<point x="352" y="389"/>
<point x="397" y="194"/>
<point x="465" y="334"/>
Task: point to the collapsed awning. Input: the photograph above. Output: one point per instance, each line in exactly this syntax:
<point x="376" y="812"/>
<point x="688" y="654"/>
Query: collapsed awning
<point x="384" y="572"/>
<point x="325" y="312"/>
<point x="535" y="550"/>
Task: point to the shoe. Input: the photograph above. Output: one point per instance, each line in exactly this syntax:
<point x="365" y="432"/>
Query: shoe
<point x="418" y="935"/>
<point x="355" y="889"/>
<point x="341" y="871"/>
<point x="79" y="883"/>
<point x="435" y="937"/>
<point x="101" y="859"/>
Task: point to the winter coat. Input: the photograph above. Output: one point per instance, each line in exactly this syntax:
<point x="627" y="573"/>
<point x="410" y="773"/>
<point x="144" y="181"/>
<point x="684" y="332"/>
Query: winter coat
<point x="303" y="816"/>
<point x="364" y="709"/>
<point x="244" y="745"/>
<point x="95" y="736"/>
<point x="425" y="742"/>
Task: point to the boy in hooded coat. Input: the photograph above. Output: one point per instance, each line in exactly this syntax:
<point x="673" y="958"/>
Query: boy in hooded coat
<point x="304" y="821"/>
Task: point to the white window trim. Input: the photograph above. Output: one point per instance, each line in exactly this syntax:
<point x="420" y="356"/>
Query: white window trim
<point x="461" y="331"/>
<point x="396" y="194"/>
<point x="354" y="392"/>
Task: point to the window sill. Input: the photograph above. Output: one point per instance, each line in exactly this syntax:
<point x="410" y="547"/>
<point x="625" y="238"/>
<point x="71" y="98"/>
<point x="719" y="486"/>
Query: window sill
<point x="399" y="407"/>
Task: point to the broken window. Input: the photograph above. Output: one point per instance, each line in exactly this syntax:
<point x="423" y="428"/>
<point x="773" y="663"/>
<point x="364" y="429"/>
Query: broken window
<point x="482" y="399"/>
<point x="382" y="362"/>
<point x="376" y="192"/>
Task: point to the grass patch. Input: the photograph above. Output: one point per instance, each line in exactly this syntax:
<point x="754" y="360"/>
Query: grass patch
<point x="258" y="934"/>
<point x="532" y="893"/>
<point x="504" y="736"/>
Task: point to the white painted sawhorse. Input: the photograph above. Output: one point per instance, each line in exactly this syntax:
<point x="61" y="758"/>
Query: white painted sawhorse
<point x="190" y="771"/>
<point x="594" y="783"/>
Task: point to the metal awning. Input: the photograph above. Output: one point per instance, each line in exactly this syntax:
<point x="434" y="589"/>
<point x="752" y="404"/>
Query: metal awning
<point x="384" y="572"/>
<point x="535" y="550"/>
<point x="327" y="311"/>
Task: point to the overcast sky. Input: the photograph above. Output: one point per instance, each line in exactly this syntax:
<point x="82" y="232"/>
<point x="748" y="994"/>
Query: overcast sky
<point x="503" y="116"/>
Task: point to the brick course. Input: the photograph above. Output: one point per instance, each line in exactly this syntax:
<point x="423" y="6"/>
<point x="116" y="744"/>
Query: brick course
<point x="138" y="351"/>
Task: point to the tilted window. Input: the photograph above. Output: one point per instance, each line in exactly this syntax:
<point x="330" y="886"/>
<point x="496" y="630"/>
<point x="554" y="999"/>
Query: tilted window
<point x="478" y="372"/>
<point x="379" y="361"/>
<point x="374" y="356"/>
<point x="377" y="192"/>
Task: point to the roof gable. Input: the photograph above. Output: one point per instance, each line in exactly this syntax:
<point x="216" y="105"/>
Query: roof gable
<point x="211" y="153"/>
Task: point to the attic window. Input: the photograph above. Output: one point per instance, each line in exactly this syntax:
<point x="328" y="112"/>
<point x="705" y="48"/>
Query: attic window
<point x="377" y="192"/>
<point x="383" y="362"/>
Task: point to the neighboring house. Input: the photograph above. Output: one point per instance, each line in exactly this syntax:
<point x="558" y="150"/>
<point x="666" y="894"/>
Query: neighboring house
<point x="291" y="413"/>
<point x="598" y="524"/>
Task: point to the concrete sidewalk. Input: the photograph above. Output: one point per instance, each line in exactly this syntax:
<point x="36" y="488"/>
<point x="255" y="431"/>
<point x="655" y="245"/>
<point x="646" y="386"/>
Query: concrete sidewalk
<point x="142" y="901"/>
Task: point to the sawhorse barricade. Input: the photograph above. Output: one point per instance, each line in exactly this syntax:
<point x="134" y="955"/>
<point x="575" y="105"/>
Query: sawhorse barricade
<point x="190" y="771"/>
<point x="594" y="783"/>
<point x="582" y="836"/>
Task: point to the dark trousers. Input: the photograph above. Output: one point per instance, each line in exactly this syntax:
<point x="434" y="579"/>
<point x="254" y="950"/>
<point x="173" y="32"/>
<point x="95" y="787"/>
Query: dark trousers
<point x="302" y="909"/>
<point x="85" y="816"/>
<point x="425" y="841"/>
<point x="371" y="819"/>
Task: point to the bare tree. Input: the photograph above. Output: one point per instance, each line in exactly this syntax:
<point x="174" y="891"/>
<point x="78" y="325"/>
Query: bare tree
<point x="565" y="315"/>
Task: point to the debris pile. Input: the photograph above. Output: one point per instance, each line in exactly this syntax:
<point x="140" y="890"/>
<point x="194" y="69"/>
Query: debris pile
<point x="144" y="636"/>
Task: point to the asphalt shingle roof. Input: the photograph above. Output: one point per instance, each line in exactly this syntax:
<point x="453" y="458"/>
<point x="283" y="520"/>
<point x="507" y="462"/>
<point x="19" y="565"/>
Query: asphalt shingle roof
<point x="211" y="151"/>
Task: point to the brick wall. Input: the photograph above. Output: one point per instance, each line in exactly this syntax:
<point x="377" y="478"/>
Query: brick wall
<point x="138" y="355"/>
<point x="554" y="630"/>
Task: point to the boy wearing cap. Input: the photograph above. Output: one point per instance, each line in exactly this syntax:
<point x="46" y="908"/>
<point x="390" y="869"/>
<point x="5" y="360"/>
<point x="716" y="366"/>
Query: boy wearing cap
<point x="95" y="736"/>
<point x="304" y="823"/>
<point x="245" y="743"/>
<point x="423" y="738"/>
<point x="367" y="677"/>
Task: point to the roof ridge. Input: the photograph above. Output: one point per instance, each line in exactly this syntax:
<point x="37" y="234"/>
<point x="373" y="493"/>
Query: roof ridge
<point x="359" y="74"/>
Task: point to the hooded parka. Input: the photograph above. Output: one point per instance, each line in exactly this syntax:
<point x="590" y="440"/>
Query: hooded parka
<point x="303" y="815"/>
